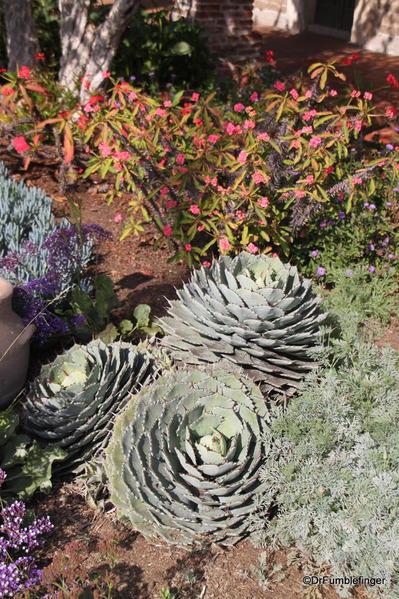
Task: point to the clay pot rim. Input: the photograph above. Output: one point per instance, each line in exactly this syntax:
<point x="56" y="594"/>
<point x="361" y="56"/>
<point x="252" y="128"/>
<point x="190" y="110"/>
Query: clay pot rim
<point x="6" y="289"/>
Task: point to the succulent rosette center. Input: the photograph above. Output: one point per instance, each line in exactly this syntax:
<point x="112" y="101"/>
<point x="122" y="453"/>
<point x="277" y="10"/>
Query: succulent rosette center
<point x="185" y="456"/>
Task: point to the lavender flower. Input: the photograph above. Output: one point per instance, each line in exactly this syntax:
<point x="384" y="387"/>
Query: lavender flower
<point x="314" y="253"/>
<point x="21" y="573"/>
<point x="321" y="271"/>
<point x="65" y="263"/>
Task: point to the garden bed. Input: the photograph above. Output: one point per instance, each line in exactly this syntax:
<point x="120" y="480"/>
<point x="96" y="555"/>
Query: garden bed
<point x="96" y="545"/>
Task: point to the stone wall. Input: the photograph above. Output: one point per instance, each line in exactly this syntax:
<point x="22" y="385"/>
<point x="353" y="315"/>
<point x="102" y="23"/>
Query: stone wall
<point x="375" y="23"/>
<point x="270" y="13"/>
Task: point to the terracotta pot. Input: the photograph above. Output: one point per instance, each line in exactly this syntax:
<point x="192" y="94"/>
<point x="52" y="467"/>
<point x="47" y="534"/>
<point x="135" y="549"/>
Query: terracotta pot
<point x="14" y="347"/>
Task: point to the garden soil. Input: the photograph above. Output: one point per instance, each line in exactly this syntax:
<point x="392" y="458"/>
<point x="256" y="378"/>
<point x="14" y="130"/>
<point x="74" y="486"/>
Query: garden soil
<point x="143" y="567"/>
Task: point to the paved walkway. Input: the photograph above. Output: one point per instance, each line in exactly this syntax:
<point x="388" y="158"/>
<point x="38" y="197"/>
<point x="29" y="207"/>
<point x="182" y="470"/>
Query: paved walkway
<point x="294" y="53"/>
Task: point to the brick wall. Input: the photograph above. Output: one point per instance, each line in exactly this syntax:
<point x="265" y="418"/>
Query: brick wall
<point x="228" y="23"/>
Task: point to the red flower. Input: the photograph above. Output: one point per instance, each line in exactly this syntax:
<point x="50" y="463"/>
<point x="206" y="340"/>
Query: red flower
<point x="82" y="121"/>
<point x="393" y="82"/>
<point x="391" y="112"/>
<point x="24" y="72"/>
<point x="7" y="91"/>
<point x="20" y="144"/>
<point x="95" y="99"/>
<point x="167" y="231"/>
<point x="269" y="56"/>
<point x="39" y="56"/>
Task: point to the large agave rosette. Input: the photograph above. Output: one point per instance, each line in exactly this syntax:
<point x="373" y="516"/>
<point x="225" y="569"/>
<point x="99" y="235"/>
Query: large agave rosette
<point x="74" y="400"/>
<point x="184" y="457"/>
<point x="252" y="310"/>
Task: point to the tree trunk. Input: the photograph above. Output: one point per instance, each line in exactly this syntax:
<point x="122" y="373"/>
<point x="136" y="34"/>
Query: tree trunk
<point x="21" y="37"/>
<point x="87" y="51"/>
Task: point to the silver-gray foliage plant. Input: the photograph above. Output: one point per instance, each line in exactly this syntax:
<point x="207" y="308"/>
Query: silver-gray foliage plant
<point x="334" y="469"/>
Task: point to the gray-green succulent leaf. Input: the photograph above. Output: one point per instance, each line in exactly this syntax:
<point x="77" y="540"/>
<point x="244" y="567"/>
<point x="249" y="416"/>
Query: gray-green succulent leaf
<point x="73" y="402"/>
<point x="185" y="455"/>
<point x="254" y="311"/>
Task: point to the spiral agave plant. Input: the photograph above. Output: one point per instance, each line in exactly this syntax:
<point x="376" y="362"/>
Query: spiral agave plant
<point x="252" y="310"/>
<point x="184" y="458"/>
<point x="73" y="402"/>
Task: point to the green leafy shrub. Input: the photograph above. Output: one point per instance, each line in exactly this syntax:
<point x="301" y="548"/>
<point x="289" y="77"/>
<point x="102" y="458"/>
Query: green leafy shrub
<point x="252" y="310"/>
<point x="157" y="51"/>
<point x="28" y="465"/>
<point x="184" y="458"/>
<point x="73" y="401"/>
<point x="89" y="311"/>
<point x="333" y="469"/>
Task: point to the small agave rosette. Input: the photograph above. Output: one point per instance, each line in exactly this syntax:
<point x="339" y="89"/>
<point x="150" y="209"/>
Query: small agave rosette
<point x="184" y="458"/>
<point x="74" y="400"/>
<point x="254" y="311"/>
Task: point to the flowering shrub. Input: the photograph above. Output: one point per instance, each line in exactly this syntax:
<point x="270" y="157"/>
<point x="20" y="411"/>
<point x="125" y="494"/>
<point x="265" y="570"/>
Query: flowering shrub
<point x="35" y="110"/>
<point x="222" y="179"/>
<point x="364" y="234"/>
<point x="242" y="177"/>
<point x="18" y="573"/>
